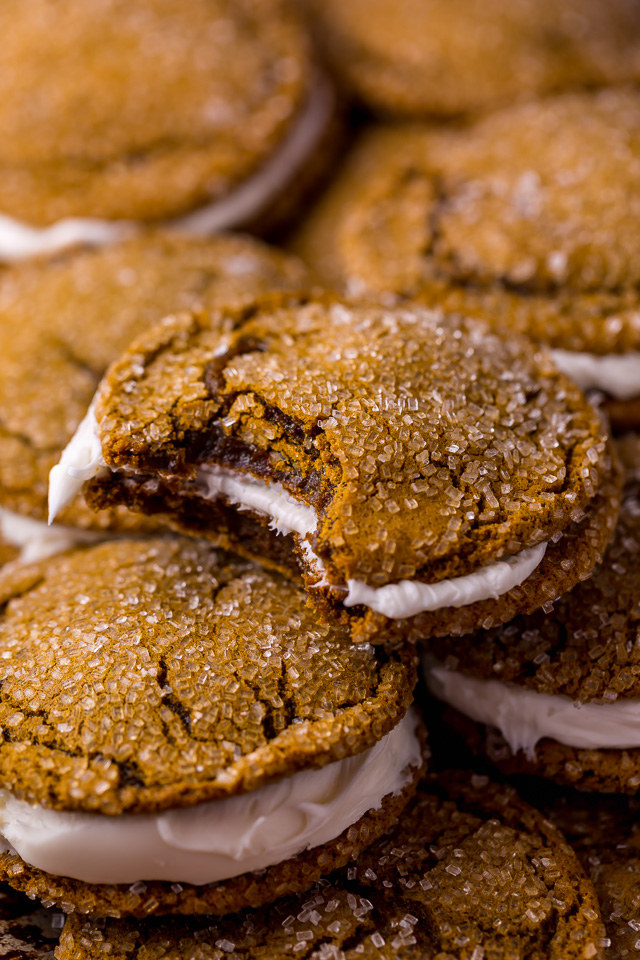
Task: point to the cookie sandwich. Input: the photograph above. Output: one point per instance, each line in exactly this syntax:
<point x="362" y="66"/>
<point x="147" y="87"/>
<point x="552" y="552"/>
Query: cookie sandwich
<point x="436" y="58"/>
<point x="138" y="108"/>
<point x="181" y="735"/>
<point x="527" y="219"/>
<point x="416" y="471"/>
<point x="62" y="322"/>
<point x="469" y="871"/>
<point x="557" y="693"/>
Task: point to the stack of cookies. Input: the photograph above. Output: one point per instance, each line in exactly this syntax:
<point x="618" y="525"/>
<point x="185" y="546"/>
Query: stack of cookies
<point x="246" y="492"/>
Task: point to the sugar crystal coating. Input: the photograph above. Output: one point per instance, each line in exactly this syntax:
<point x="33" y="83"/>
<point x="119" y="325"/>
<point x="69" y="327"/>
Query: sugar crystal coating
<point x="142" y="675"/>
<point x="428" y="445"/>
<point x="585" y="646"/>
<point x="74" y="314"/>
<point x="470" y="871"/>
<point x="527" y="218"/>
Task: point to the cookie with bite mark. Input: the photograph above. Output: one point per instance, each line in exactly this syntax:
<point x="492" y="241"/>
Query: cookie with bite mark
<point x="75" y="313"/>
<point x="417" y="471"/>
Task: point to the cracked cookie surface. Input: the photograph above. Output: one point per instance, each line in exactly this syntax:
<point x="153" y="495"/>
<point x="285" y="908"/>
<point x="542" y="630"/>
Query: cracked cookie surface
<point x="526" y="219"/>
<point x="469" y="870"/>
<point x="69" y="71"/>
<point x="75" y="314"/>
<point x="228" y="679"/>
<point x="158" y="675"/>
<point x="583" y="649"/>
<point x="427" y="446"/>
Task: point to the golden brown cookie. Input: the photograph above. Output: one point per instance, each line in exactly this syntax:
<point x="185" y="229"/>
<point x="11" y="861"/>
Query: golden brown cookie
<point x="64" y="320"/>
<point x="469" y="871"/>
<point x="558" y="692"/>
<point x="138" y="107"/>
<point x="603" y="831"/>
<point x="175" y="719"/>
<point x="526" y="219"/>
<point x="450" y="57"/>
<point x="410" y="466"/>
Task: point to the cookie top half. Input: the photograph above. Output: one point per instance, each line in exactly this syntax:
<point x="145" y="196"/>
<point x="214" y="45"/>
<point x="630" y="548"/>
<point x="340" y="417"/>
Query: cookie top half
<point x="412" y="446"/>
<point x="62" y="322"/>
<point x="442" y="58"/>
<point x="469" y="869"/>
<point x="527" y="218"/>
<point x="137" y="105"/>
<point x="152" y="674"/>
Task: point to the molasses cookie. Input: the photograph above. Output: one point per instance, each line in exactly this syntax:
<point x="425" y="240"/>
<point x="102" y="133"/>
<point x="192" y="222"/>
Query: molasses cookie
<point x="529" y="219"/>
<point x="469" y="871"/>
<point x="444" y="58"/>
<point x="181" y="735"/>
<point x="129" y="111"/>
<point x="417" y="471"/>
<point x="605" y="835"/>
<point x="558" y="693"/>
<point x="63" y="321"/>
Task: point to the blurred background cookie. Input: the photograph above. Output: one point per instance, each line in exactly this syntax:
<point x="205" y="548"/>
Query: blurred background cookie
<point x="528" y="219"/>
<point x="129" y="111"/>
<point x="445" y="58"/>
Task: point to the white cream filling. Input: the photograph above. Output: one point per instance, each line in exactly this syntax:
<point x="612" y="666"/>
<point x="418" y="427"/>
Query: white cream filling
<point x="82" y="459"/>
<point x="19" y="240"/>
<point x="525" y="717"/>
<point x="615" y="374"/>
<point x="220" y="839"/>
<point x="37" y="540"/>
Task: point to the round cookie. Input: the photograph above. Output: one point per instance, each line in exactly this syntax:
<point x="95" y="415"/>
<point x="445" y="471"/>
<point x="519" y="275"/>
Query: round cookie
<point x="603" y="831"/>
<point x="443" y="58"/>
<point x="469" y="871"/>
<point x="181" y="735"/>
<point x="416" y="470"/>
<point x="558" y="692"/>
<point x="527" y="219"/>
<point x="138" y="107"/>
<point x="64" y="320"/>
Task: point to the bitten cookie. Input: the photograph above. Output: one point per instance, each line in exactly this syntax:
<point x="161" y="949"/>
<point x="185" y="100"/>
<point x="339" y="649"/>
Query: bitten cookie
<point x="417" y="471"/>
<point x="469" y="871"/>
<point x="123" y="112"/>
<point x="181" y="735"/>
<point x="63" y="321"/>
<point x="449" y="57"/>
<point x="558" y="693"/>
<point x="528" y="219"/>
